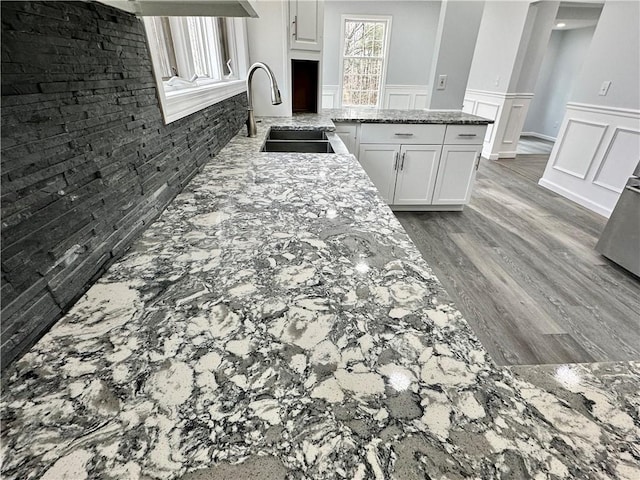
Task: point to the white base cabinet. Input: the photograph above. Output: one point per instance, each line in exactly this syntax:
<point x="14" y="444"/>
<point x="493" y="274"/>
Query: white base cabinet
<point x="348" y="133"/>
<point x="416" y="174"/>
<point x="403" y="174"/>
<point x="413" y="176"/>
<point x="379" y="161"/>
<point x="456" y="174"/>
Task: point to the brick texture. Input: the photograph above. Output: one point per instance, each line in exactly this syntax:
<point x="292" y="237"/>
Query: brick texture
<point x="87" y="161"/>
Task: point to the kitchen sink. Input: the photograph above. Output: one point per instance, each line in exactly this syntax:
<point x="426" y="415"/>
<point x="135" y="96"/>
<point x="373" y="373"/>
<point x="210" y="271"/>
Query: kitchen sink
<point x="275" y="134"/>
<point x="299" y="141"/>
<point x="299" y="146"/>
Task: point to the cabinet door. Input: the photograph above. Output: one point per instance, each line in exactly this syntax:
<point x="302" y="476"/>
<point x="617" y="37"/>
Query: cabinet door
<point x="306" y="22"/>
<point x="416" y="177"/>
<point x="380" y="162"/>
<point x="456" y="173"/>
<point x="348" y="134"/>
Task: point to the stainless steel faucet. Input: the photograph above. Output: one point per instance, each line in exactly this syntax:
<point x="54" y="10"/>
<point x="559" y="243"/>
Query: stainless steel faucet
<point x="275" y="95"/>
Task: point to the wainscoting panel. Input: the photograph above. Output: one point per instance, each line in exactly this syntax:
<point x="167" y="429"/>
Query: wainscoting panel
<point x="488" y="110"/>
<point x="330" y="96"/>
<point x="400" y="101"/>
<point x="405" y="97"/>
<point x="468" y="105"/>
<point x="401" y="97"/>
<point x="507" y="110"/>
<point x="621" y="157"/>
<point x="515" y="115"/>
<point x="596" y="152"/>
<point x="420" y="101"/>
<point x="578" y="147"/>
<point x="487" y="105"/>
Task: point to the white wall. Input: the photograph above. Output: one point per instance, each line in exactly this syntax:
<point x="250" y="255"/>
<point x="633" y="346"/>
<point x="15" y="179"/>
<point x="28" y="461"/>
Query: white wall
<point x="413" y="35"/>
<point x="598" y="144"/>
<point x="533" y="45"/>
<point x="614" y="56"/>
<point x="267" y="38"/>
<point x="456" y="39"/>
<point x="509" y="53"/>
<point x="565" y="55"/>
<point x="497" y="46"/>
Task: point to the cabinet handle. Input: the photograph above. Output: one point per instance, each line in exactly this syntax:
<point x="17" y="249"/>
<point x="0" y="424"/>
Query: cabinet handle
<point x="402" y="163"/>
<point x="467" y="134"/>
<point x="295" y="27"/>
<point x="403" y="134"/>
<point x="478" y="161"/>
<point x="395" y="161"/>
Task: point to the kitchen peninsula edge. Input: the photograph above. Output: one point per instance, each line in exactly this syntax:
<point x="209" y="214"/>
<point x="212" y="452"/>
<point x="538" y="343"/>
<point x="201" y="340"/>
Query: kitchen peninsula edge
<point x="276" y="320"/>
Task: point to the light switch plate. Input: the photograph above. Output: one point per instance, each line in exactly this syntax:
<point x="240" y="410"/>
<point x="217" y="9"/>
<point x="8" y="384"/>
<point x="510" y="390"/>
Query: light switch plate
<point x="442" y="82"/>
<point x="604" y="88"/>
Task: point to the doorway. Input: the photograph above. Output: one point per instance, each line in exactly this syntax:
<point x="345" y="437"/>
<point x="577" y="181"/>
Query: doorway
<point x="573" y="30"/>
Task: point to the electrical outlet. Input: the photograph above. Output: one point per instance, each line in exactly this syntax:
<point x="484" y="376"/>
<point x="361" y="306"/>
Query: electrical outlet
<point x="604" y="88"/>
<point x="497" y="82"/>
<point x="442" y="82"/>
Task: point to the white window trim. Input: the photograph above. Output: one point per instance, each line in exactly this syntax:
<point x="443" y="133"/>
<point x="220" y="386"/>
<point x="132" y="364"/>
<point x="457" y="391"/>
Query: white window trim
<point x="385" y="62"/>
<point x="181" y="103"/>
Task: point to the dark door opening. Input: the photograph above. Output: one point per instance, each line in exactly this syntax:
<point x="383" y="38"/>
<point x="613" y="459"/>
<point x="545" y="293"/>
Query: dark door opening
<point x="304" y="83"/>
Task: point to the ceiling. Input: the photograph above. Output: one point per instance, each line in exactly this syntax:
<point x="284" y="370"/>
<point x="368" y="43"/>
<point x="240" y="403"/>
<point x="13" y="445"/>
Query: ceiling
<point x="578" y="15"/>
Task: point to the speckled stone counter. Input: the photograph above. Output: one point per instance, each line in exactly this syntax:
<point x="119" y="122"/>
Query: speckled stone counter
<point x="375" y="115"/>
<point x="277" y="322"/>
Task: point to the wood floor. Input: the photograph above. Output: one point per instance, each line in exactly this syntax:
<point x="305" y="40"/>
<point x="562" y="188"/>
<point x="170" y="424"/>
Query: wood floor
<point x="531" y="167"/>
<point x="533" y="145"/>
<point x="520" y="263"/>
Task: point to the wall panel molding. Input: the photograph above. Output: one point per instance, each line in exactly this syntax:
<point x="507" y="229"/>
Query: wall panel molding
<point x="596" y="151"/>
<point x="513" y="120"/>
<point x="622" y="154"/>
<point x="601" y="109"/>
<point x="507" y="110"/>
<point x="580" y="140"/>
<point x="502" y="95"/>
<point x="405" y="97"/>
<point x="330" y="96"/>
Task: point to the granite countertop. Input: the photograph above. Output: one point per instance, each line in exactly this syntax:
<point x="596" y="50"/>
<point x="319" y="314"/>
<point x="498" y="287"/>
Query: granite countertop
<point x="277" y="322"/>
<point x="375" y="115"/>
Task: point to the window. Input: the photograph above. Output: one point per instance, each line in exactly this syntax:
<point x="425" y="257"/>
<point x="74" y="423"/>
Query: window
<point x="197" y="61"/>
<point x="364" y="51"/>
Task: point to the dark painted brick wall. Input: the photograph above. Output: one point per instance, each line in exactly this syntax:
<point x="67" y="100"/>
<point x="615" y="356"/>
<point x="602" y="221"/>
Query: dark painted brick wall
<point x="87" y="162"/>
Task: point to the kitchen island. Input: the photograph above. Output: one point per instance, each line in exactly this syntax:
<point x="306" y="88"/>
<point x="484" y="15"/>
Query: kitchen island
<point x="277" y="322"/>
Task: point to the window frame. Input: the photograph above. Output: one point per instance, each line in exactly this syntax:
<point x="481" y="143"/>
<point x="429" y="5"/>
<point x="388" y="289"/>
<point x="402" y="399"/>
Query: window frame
<point x="385" y="60"/>
<point x="177" y="104"/>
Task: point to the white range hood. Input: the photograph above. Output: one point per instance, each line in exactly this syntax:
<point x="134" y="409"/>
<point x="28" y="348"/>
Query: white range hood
<point x="185" y="8"/>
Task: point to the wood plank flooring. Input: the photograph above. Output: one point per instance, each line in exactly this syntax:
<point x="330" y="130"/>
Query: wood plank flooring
<point x="520" y="263"/>
<point x="533" y="145"/>
<point x="532" y="168"/>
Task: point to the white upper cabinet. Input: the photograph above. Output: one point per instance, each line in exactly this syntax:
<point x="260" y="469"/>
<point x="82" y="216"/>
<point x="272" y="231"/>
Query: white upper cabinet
<point x="306" y="24"/>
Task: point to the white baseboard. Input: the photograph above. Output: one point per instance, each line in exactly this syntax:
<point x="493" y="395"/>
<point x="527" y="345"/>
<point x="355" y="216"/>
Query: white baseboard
<point x="585" y="202"/>
<point x="539" y="135"/>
